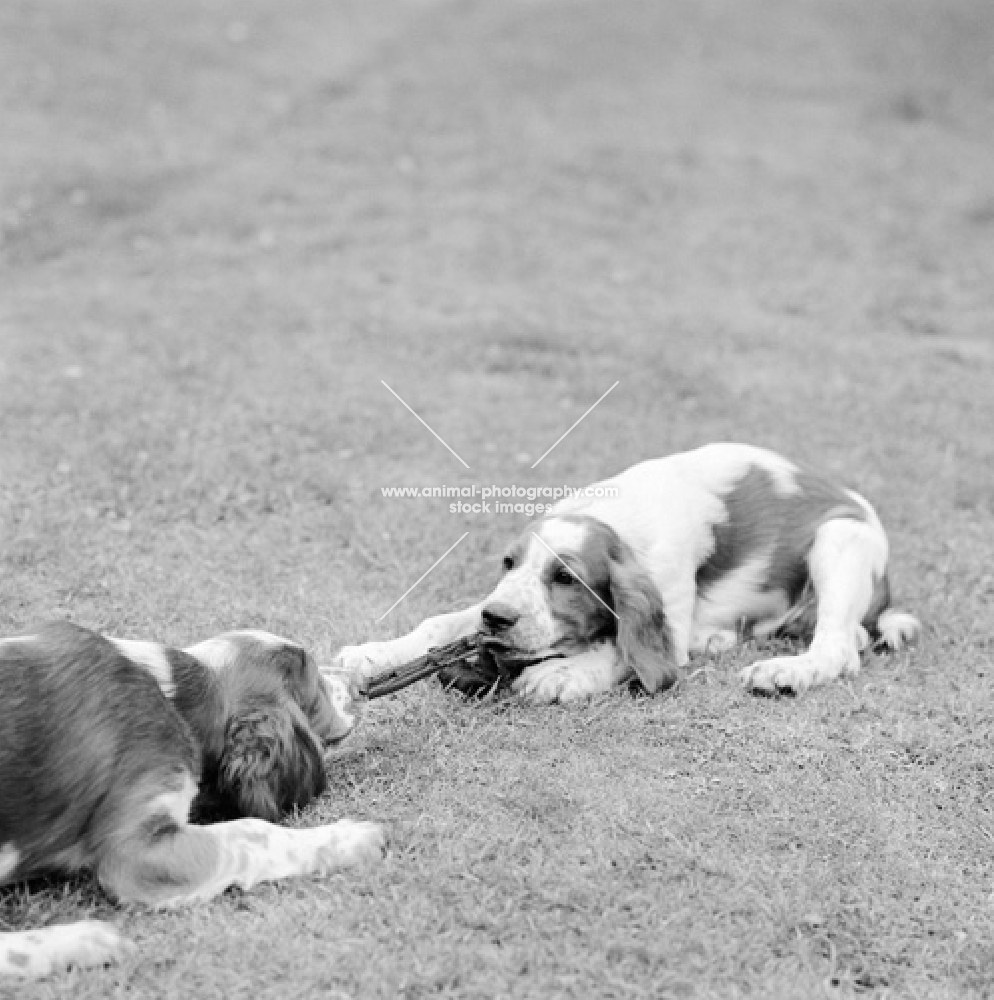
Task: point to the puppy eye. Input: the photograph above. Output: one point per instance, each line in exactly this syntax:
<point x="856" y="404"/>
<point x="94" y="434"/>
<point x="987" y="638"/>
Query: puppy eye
<point x="564" y="577"/>
<point x="508" y="563"/>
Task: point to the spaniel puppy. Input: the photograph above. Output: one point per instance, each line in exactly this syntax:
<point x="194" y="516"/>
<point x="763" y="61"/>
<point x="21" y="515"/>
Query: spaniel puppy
<point x="685" y="554"/>
<point x="99" y="768"/>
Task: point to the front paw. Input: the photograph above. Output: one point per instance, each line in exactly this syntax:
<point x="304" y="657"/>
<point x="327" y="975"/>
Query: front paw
<point x="353" y="843"/>
<point x="99" y="943"/>
<point x="783" y="673"/>
<point x="83" y="945"/>
<point x="548" y="683"/>
<point x="360" y="663"/>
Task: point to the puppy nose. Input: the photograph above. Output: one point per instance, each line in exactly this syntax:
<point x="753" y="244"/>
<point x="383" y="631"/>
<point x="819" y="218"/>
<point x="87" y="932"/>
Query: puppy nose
<point x="499" y="616"/>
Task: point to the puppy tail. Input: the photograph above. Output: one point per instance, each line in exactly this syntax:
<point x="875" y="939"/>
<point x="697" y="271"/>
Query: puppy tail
<point x="897" y="629"/>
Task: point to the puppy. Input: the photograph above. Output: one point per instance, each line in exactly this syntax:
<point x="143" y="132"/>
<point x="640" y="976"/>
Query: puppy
<point x="98" y="770"/>
<point x="684" y="554"/>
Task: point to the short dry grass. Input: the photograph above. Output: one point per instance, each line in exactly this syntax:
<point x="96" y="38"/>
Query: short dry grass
<point x="223" y="224"/>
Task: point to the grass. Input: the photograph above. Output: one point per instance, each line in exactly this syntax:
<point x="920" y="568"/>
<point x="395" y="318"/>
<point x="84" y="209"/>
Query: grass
<point x="222" y="225"/>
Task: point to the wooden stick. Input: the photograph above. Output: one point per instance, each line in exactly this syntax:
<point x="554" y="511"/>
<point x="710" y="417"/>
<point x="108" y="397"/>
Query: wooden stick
<point x="434" y="660"/>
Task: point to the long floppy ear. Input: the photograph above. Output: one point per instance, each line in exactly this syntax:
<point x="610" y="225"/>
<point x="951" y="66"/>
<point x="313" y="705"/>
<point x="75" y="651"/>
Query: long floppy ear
<point x="644" y="640"/>
<point x="271" y="761"/>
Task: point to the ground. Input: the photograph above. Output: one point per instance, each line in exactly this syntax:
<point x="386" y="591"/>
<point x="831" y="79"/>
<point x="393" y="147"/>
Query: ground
<point x="224" y="224"/>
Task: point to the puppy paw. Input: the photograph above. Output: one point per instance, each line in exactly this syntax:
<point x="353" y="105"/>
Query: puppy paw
<point x="359" y="663"/>
<point x="783" y="673"/>
<point x="546" y="684"/>
<point x="542" y="692"/>
<point x="49" y="950"/>
<point x="353" y="843"/>
<point x="829" y="662"/>
<point x="538" y="684"/>
<point x="98" y="943"/>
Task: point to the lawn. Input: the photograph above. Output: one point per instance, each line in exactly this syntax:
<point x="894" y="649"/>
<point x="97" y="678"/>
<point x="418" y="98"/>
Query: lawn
<point x="223" y="224"/>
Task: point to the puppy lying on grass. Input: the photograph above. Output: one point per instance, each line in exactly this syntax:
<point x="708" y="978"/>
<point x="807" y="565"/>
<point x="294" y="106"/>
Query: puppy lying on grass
<point x="104" y="745"/>
<point x="678" y="555"/>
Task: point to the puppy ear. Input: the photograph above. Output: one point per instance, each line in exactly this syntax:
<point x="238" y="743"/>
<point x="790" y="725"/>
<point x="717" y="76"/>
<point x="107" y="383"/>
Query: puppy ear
<point x="271" y="762"/>
<point x="300" y="674"/>
<point x="644" y="640"/>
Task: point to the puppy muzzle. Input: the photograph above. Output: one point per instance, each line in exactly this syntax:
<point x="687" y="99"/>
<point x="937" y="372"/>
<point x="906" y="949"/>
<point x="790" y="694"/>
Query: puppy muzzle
<point x="346" y="698"/>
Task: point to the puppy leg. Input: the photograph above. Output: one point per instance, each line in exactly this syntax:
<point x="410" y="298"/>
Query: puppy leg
<point x="711" y="640"/>
<point x="369" y="660"/>
<point x="594" y="671"/>
<point x="42" y="952"/>
<point x="846" y="558"/>
<point x="190" y="864"/>
<point x="156" y="857"/>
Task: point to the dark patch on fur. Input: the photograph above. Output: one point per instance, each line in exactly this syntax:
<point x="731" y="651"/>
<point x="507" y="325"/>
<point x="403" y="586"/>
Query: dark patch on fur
<point x="81" y="725"/>
<point x="157" y="827"/>
<point x="638" y="623"/>
<point x="271" y="762"/>
<point x="154" y="878"/>
<point x="879" y="603"/>
<point x="642" y="631"/>
<point x="586" y="607"/>
<point x="763" y="520"/>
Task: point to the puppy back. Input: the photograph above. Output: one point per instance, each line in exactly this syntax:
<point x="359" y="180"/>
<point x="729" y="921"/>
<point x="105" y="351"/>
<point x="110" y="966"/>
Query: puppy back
<point x="80" y="724"/>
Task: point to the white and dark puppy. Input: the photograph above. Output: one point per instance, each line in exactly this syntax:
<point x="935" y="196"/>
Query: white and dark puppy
<point x="680" y="555"/>
<point x="99" y="768"/>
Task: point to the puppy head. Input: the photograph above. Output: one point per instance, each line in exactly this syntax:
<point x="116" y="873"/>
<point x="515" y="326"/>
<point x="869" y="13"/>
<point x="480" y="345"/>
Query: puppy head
<point x="536" y="606"/>
<point x="279" y="712"/>
<point x="251" y="660"/>
<point x="572" y="580"/>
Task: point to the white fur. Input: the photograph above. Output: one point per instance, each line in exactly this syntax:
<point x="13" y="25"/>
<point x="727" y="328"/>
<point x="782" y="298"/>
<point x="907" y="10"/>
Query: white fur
<point x="572" y="678"/>
<point x="363" y="663"/>
<point x="221" y="651"/>
<point x="560" y="536"/>
<point x="266" y="638"/>
<point x="343" y="695"/>
<point x="217" y="653"/>
<point x="9" y="856"/>
<point x="251" y="851"/>
<point x="152" y="657"/>
<point x="737" y="595"/>
<point x="39" y="953"/>
<point x="898" y="629"/>
<point x="523" y="588"/>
